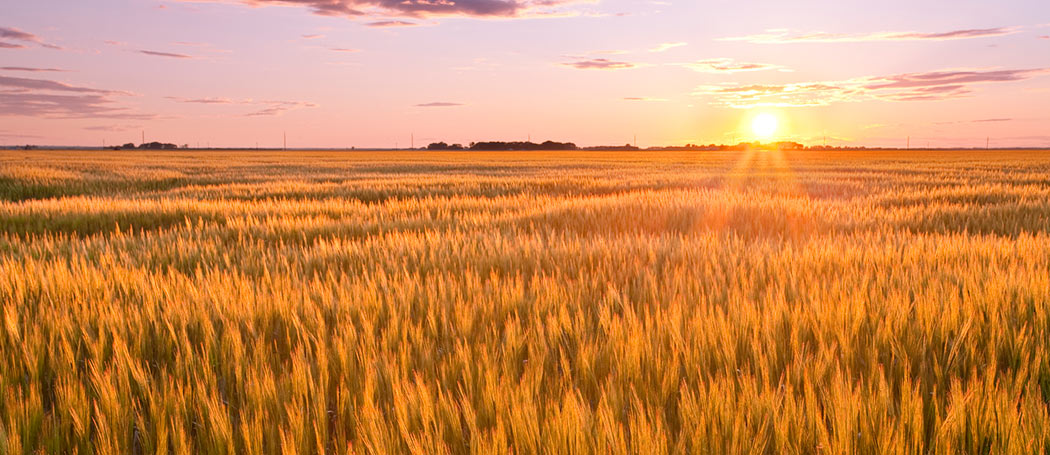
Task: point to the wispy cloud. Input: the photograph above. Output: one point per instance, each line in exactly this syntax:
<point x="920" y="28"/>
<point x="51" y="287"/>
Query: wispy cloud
<point x="387" y="24"/>
<point x="786" y="36"/>
<point x="928" y="86"/>
<point x="423" y="8"/>
<point x="165" y="54"/>
<point x="52" y="99"/>
<point x="439" y="104"/>
<point x="642" y="98"/>
<point x="278" y="107"/>
<point x="10" y="33"/>
<point x="32" y="70"/>
<point x="344" y="49"/>
<point x="727" y="65"/>
<point x="314" y="36"/>
<point x="201" y="100"/>
<point x="600" y="64"/>
<point x="48" y="85"/>
<point x="667" y="46"/>
<point x="266" y="107"/>
<point x="112" y="128"/>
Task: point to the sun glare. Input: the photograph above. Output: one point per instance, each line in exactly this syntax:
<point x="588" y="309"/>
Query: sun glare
<point x="764" y="125"/>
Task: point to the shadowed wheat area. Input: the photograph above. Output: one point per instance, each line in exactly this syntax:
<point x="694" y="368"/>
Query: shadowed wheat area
<point x="525" y="303"/>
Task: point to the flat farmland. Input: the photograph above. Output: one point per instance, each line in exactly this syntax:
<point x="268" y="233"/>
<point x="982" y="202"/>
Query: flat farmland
<point x="862" y="302"/>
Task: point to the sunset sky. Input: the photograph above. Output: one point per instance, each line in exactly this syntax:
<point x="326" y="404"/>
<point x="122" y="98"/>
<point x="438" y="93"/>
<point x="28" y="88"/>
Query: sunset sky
<point x="371" y="73"/>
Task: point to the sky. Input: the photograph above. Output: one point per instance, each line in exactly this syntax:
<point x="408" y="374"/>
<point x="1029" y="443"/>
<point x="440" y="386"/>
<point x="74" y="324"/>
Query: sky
<point x="396" y="73"/>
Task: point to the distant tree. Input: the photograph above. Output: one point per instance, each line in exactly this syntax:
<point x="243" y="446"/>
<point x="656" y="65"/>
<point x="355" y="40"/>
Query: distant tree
<point x="789" y="146"/>
<point x="158" y="146"/>
<point x="438" y="146"/>
<point x="515" y="146"/>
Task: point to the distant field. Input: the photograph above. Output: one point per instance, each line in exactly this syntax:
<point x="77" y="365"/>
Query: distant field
<point x="527" y="303"/>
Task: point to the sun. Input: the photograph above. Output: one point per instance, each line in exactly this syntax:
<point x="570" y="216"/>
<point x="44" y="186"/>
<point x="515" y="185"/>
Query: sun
<point x="764" y="125"/>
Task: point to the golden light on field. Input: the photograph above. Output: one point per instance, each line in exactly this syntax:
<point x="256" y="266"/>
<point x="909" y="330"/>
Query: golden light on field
<point x="764" y="125"/>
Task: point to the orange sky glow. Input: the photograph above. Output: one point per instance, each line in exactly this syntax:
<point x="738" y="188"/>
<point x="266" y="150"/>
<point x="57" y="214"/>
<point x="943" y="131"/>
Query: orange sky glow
<point x="386" y="73"/>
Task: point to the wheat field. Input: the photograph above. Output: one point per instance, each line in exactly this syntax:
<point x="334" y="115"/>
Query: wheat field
<point x="877" y="302"/>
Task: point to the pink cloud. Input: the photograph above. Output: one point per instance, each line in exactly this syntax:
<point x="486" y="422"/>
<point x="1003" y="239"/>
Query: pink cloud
<point x="269" y="107"/>
<point x="51" y="99"/>
<point x="15" y="34"/>
<point x="728" y="65"/>
<point x="386" y="24"/>
<point x="418" y="8"/>
<point x="928" y="86"/>
<point x="784" y="36"/>
<point x="47" y="85"/>
<point x="600" y="64"/>
<point x="32" y="70"/>
<point x="165" y="54"/>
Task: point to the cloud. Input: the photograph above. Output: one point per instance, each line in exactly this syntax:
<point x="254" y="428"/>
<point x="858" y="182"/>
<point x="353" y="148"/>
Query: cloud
<point x="785" y="36"/>
<point x="993" y="120"/>
<point x="47" y="85"/>
<point x="15" y="34"/>
<point x="928" y="86"/>
<point x="386" y="24"/>
<point x="64" y="106"/>
<point x="955" y="77"/>
<point x="201" y="100"/>
<point x="344" y="49"/>
<point x="314" y="36"/>
<point x="666" y="47"/>
<point x="269" y="107"/>
<point x="278" y="108"/>
<point x="422" y="8"/>
<point x="727" y="65"/>
<point x="439" y="104"/>
<point x="642" y="98"/>
<point x="164" y="54"/>
<point x="112" y="128"/>
<point x="32" y="70"/>
<point x="1044" y="37"/>
<point x="600" y="64"/>
<point x="52" y="99"/>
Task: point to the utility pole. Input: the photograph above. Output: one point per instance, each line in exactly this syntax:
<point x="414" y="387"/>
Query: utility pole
<point x="285" y="141"/>
<point x="413" y="140"/>
<point x="988" y="143"/>
<point x="143" y="136"/>
<point x="909" y="142"/>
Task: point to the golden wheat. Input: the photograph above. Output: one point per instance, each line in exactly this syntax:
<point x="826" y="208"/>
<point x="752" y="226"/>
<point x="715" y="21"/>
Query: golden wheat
<point x="525" y="303"/>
